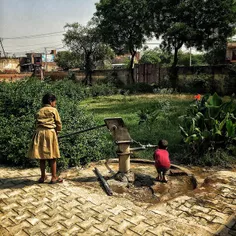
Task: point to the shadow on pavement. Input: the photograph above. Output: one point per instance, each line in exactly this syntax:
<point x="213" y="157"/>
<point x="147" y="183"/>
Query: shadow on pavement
<point x="17" y="182"/>
<point x="85" y="179"/>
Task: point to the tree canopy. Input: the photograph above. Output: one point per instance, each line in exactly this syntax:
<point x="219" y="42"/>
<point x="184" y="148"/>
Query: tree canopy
<point x="68" y="60"/>
<point x="150" y="57"/>
<point x="156" y="56"/>
<point x="85" y="42"/>
<point x="194" y="23"/>
<point x="196" y="59"/>
<point x="203" y="24"/>
<point x="123" y="25"/>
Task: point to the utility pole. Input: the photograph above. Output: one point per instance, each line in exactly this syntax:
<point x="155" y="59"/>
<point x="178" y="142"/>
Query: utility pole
<point x="190" y="57"/>
<point x="3" y="47"/>
<point x="46" y="65"/>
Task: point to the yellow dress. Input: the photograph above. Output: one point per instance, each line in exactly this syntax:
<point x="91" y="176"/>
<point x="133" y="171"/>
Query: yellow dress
<point x="44" y="144"/>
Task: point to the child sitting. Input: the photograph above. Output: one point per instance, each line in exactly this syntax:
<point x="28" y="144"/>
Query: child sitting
<point x="162" y="161"/>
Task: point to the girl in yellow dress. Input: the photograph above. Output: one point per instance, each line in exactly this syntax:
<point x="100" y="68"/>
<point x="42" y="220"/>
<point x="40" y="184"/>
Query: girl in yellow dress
<point x="44" y="145"/>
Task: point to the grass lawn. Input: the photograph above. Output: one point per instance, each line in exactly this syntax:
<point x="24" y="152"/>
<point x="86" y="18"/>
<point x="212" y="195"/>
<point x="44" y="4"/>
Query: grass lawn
<point x="162" y="113"/>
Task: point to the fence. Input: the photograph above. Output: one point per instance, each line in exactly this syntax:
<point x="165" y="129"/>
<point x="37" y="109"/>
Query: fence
<point x="196" y="79"/>
<point x="153" y="73"/>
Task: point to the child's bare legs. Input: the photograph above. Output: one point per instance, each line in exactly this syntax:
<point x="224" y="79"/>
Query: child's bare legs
<point x="42" y="169"/>
<point x="53" y="165"/>
<point x="159" y="177"/>
<point x="164" y="179"/>
<point x="159" y="174"/>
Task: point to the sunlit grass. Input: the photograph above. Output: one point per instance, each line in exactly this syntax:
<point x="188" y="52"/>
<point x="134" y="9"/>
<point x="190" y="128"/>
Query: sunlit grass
<point x="165" y="126"/>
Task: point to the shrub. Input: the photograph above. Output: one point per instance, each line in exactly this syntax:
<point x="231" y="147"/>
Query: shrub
<point x="102" y="89"/>
<point x="163" y="90"/>
<point x="196" y="84"/>
<point x="230" y="80"/>
<point x="151" y="115"/>
<point x="19" y="102"/>
<point x="220" y="157"/>
<point x="210" y="124"/>
<point x="159" y="120"/>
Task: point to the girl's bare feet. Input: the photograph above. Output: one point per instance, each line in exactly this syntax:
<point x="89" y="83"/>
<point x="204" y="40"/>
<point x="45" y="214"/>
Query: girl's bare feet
<point x="42" y="179"/>
<point x="55" y="180"/>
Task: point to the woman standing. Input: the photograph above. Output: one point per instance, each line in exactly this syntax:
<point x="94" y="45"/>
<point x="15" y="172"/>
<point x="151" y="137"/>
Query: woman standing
<point x="44" y="145"/>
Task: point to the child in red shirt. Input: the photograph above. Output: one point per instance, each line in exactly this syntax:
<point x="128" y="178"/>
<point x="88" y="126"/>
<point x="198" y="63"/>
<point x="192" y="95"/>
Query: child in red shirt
<point x="162" y="161"/>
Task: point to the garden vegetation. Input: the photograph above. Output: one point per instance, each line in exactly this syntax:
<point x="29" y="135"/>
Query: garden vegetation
<point x="199" y="132"/>
<point x="20" y="101"/>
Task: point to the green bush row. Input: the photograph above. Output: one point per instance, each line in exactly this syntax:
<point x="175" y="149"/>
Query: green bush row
<point x="20" y="101"/>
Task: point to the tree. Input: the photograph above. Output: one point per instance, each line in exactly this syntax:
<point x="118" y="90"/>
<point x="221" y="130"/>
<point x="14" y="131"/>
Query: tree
<point x="156" y="56"/>
<point x="216" y="55"/>
<point x="196" y="59"/>
<point x="193" y="23"/>
<point x="68" y="60"/>
<point x="172" y="20"/>
<point x="104" y="57"/>
<point x="85" y="42"/>
<point x="150" y="57"/>
<point x="217" y="18"/>
<point x="123" y="25"/>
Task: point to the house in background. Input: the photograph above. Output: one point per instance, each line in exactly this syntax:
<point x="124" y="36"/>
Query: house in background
<point x="33" y="62"/>
<point x="231" y="52"/>
<point x="48" y="62"/>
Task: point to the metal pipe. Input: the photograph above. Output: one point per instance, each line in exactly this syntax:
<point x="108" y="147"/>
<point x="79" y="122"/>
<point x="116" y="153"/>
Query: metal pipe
<point x="124" y="142"/>
<point x="137" y="148"/>
<point x="143" y="147"/>
<point x="103" y="181"/>
<point x="81" y="131"/>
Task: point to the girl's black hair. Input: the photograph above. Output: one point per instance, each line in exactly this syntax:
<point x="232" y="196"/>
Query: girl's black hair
<point x="47" y="98"/>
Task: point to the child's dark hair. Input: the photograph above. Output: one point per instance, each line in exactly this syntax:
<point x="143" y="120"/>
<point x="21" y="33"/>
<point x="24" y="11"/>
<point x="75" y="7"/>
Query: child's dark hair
<point x="47" y="98"/>
<point x="163" y="144"/>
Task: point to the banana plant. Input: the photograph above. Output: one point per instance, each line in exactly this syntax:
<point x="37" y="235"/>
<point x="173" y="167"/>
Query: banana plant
<point x="210" y="123"/>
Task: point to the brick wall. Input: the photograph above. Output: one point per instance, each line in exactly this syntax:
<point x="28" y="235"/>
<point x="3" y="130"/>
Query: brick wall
<point x="198" y="79"/>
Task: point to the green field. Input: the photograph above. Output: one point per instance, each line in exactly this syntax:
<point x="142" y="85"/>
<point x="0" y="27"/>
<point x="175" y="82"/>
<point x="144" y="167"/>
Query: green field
<point x="161" y="113"/>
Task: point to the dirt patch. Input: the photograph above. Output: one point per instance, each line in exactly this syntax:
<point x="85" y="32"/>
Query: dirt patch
<point x="144" y="189"/>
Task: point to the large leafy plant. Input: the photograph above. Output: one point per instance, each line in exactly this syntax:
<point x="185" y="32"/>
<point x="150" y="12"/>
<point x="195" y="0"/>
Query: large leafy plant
<point x="210" y="124"/>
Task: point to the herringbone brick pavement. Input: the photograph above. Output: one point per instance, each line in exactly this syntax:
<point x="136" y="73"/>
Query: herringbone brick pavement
<point x="29" y="208"/>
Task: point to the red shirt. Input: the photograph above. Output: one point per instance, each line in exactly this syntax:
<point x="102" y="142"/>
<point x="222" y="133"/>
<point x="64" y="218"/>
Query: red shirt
<point x="161" y="157"/>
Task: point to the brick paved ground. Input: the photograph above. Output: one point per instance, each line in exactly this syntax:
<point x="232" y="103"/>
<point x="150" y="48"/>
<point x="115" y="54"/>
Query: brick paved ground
<point x="29" y="208"/>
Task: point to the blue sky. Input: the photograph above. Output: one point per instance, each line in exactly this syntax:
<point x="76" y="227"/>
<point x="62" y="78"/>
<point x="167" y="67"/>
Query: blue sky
<point x="29" y="17"/>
